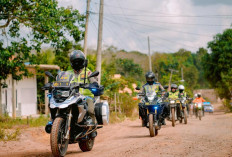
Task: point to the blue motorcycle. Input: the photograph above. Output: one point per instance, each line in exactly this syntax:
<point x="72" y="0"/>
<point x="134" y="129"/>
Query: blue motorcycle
<point x="150" y="110"/>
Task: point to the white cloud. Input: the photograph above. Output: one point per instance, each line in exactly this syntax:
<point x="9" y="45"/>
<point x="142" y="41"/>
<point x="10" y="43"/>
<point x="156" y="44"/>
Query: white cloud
<point x="128" y="23"/>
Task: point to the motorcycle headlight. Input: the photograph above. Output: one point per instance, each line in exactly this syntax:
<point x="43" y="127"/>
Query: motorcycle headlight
<point x="65" y="93"/>
<point x="199" y="105"/>
<point x="150" y="98"/>
<point x="172" y="102"/>
<point x="60" y="93"/>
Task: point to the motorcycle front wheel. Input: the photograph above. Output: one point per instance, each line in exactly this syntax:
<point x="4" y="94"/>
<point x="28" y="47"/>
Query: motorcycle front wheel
<point x="173" y="116"/>
<point x="185" y="117"/>
<point x="59" y="144"/>
<point x="200" y="114"/>
<point x="151" y="126"/>
<point x="86" y="145"/>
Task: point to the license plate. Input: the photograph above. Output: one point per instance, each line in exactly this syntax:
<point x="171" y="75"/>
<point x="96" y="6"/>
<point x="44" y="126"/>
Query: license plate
<point x="147" y="103"/>
<point x="60" y="84"/>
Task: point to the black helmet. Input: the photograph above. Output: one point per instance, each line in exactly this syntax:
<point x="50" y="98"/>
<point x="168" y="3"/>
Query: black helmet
<point x="174" y="86"/>
<point x="198" y="95"/>
<point x="77" y="60"/>
<point x="150" y="77"/>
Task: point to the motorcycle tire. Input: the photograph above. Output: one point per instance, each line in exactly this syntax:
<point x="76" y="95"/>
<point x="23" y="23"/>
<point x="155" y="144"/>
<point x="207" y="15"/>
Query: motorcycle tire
<point x="173" y="117"/>
<point x="185" y="117"/>
<point x="86" y="145"/>
<point x="151" y="126"/>
<point x="200" y="114"/>
<point x="58" y="148"/>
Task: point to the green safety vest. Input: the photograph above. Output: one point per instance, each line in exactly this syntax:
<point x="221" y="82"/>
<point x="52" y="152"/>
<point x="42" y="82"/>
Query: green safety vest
<point x="173" y="95"/>
<point x="151" y="88"/>
<point x="181" y="95"/>
<point x="80" y="79"/>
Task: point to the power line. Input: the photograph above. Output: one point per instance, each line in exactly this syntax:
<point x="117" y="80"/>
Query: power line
<point x="170" y="29"/>
<point x="165" y="46"/>
<point x="171" y="15"/>
<point x="129" y="23"/>
<point x="190" y="24"/>
<point x="171" y="41"/>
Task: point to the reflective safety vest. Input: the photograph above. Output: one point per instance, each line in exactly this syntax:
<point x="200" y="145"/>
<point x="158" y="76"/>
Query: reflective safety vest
<point x="80" y="79"/>
<point x="181" y="95"/>
<point x="173" y="95"/>
<point x="151" y="88"/>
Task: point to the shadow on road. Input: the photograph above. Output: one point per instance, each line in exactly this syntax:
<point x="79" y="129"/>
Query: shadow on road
<point x="135" y="126"/>
<point x="42" y="154"/>
<point x="135" y="136"/>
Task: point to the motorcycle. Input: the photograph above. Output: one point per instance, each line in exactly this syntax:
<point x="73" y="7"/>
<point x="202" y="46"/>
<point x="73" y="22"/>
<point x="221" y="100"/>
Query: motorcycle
<point x="177" y="111"/>
<point x="198" y="110"/>
<point x="183" y="111"/>
<point x="150" y="110"/>
<point x="71" y="124"/>
<point x="173" y="113"/>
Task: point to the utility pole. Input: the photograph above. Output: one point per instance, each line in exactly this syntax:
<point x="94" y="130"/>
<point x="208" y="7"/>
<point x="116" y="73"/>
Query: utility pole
<point x="99" y="42"/>
<point x="170" y="79"/>
<point x="149" y="54"/>
<point x="182" y="75"/>
<point x="86" y="27"/>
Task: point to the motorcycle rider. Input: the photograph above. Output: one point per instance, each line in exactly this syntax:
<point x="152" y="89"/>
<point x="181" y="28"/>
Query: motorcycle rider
<point x="173" y="94"/>
<point x="182" y="94"/>
<point x="199" y="99"/>
<point x="78" y="61"/>
<point x="151" y="86"/>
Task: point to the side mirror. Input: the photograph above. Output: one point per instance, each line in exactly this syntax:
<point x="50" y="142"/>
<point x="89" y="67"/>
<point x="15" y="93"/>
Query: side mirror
<point x="95" y="73"/>
<point x="137" y="88"/>
<point x="47" y="73"/>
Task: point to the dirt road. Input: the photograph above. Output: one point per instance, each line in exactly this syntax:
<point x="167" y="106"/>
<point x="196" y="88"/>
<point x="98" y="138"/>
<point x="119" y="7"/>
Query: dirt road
<point x="211" y="137"/>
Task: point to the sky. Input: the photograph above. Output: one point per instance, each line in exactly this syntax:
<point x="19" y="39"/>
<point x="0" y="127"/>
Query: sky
<point x="170" y="24"/>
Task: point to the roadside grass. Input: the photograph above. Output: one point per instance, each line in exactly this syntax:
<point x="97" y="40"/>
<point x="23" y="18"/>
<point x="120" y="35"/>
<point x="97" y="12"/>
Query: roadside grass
<point x="7" y="122"/>
<point x="10" y="128"/>
<point x="9" y="135"/>
<point x="117" y="117"/>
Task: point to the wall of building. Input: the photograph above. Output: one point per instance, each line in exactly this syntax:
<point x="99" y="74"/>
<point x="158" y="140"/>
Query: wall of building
<point x="26" y="96"/>
<point x="209" y="94"/>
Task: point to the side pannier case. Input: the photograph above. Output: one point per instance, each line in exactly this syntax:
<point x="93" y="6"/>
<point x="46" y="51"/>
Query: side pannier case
<point x="102" y="113"/>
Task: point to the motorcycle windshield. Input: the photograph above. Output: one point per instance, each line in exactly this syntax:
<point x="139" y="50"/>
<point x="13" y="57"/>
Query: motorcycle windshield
<point x="64" y="76"/>
<point x="63" y="79"/>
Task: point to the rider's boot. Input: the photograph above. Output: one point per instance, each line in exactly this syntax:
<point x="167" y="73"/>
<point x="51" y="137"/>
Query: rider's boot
<point x="48" y="127"/>
<point x="163" y="122"/>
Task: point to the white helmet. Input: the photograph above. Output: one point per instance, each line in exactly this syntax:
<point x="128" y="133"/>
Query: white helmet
<point x="181" y="87"/>
<point x="195" y="95"/>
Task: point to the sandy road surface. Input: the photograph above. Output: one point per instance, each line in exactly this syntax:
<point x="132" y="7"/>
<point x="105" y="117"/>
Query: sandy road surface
<point x="210" y="137"/>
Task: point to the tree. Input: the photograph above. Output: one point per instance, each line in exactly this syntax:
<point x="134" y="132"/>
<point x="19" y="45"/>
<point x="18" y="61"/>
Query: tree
<point x="127" y="68"/>
<point x="47" y="24"/>
<point x="217" y="64"/>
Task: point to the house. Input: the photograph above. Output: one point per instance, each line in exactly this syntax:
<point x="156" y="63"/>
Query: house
<point x="25" y="94"/>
